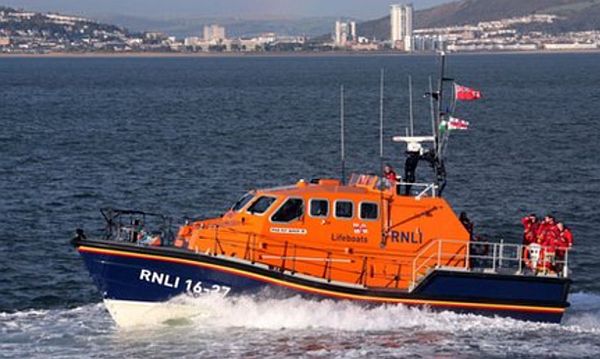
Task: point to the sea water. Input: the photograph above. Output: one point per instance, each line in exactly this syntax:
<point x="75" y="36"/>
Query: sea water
<point x="187" y="136"/>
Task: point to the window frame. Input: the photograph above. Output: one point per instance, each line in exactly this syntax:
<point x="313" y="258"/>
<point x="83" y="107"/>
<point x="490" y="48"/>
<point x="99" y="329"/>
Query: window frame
<point x="360" y="216"/>
<point x="247" y="204"/>
<point x="256" y="200"/>
<point x="335" y="210"/>
<point x="319" y="199"/>
<point x="281" y="205"/>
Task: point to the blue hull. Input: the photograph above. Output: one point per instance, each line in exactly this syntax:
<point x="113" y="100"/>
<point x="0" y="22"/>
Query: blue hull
<point x="131" y="273"/>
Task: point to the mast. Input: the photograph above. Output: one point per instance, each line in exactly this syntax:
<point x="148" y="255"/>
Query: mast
<point x="342" y="154"/>
<point x="410" y="109"/>
<point x="381" y="85"/>
<point x="381" y="93"/>
<point x="432" y="109"/>
<point x="440" y="100"/>
<point x="415" y="149"/>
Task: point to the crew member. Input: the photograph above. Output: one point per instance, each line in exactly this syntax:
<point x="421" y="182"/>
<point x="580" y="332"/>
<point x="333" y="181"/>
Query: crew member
<point x="476" y="250"/>
<point x="565" y="242"/>
<point x="548" y="237"/>
<point x="466" y="222"/>
<point x="531" y="225"/>
<point x="566" y="235"/>
<point x="548" y="233"/>
<point x="136" y="229"/>
<point x="389" y="174"/>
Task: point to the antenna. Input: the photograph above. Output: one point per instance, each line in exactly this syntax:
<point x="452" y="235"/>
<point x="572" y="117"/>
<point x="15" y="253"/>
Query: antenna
<point x="343" y="157"/>
<point x="433" y="128"/>
<point x="381" y="186"/>
<point x="410" y="101"/>
<point x="440" y="97"/>
<point x="381" y="84"/>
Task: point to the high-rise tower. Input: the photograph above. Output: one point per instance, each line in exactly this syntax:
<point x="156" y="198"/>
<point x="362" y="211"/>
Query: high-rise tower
<point x="345" y="33"/>
<point x="401" y="20"/>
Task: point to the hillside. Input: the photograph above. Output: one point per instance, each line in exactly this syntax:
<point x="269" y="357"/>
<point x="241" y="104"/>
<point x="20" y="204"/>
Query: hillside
<point x="235" y="27"/>
<point x="580" y="15"/>
<point x="18" y="23"/>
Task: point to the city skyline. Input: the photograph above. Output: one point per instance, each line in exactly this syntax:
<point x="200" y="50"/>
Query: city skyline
<point x="225" y="8"/>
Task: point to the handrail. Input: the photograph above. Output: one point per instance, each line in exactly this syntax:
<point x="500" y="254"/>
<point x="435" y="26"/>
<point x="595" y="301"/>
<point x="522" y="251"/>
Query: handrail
<point x="377" y="182"/>
<point x="508" y="257"/>
<point x="282" y="255"/>
<point x="417" y="256"/>
<point x="426" y="188"/>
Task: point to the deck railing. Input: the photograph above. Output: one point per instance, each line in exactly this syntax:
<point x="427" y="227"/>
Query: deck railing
<point x="487" y="257"/>
<point x="329" y="264"/>
<point x="424" y="189"/>
<point x="418" y="190"/>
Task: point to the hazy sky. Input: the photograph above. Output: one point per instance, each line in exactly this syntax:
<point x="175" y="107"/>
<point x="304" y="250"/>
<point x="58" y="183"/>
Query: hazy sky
<point x="363" y="9"/>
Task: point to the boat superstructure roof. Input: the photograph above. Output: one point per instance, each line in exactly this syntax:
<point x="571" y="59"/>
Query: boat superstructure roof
<point x="358" y="184"/>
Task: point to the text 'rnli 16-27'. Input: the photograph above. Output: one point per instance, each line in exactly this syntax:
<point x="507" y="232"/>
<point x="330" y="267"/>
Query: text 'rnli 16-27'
<point x="191" y="286"/>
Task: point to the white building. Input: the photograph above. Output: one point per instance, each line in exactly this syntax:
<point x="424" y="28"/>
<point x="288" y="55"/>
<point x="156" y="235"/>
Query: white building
<point x="401" y="19"/>
<point x="214" y="32"/>
<point x="345" y="33"/>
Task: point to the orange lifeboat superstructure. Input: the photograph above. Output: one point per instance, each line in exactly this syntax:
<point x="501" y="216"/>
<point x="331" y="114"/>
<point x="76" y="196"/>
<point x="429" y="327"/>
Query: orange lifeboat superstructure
<point x="362" y="232"/>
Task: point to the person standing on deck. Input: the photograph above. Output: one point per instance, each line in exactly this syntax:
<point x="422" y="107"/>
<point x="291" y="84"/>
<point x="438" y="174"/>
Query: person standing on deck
<point x="390" y="174"/>
<point x="466" y="222"/>
<point x="531" y="225"/>
<point x="564" y="243"/>
<point x="549" y="233"/>
<point x="548" y="236"/>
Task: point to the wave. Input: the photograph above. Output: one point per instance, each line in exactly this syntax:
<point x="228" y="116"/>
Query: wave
<point x="330" y="327"/>
<point x="584" y="312"/>
<point x="297" y="313"/>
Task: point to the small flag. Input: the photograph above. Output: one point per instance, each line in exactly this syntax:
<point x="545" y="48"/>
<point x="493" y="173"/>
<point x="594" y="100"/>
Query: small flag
<point x="457" y="124"/>
<point x="463" y="93"/>
<point x="443" y="127"/>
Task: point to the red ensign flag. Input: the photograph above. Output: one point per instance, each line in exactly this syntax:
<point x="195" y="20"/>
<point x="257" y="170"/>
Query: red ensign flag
<point x="463" y="93"/>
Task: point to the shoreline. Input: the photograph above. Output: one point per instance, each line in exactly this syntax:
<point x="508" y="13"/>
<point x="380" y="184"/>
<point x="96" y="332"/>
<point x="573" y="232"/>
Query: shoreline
<point x="280" y="54"/>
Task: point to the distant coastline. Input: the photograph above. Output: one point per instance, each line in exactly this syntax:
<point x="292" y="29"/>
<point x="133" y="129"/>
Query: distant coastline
<point x="276" y="54"/>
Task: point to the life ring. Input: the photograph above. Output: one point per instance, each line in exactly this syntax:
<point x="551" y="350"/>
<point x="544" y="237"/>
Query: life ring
<point x="533" y="256"/>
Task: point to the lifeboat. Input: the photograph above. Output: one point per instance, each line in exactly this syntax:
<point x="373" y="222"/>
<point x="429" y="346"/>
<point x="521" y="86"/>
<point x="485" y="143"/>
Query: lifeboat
<point x="367" y="238"/>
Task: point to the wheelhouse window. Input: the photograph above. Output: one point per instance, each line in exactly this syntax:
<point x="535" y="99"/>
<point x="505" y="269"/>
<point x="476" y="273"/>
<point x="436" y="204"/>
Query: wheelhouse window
<point x="344" y="209"/>
<point x="369" y="210"/>
<point x="291" y="210"/>
<point x="242" y="202"/>
<point x="319" y="207"/>
<point x="261" y="205"/>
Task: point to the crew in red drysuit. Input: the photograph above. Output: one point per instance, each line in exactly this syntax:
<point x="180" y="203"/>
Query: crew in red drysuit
<point x="547" y="233"/>
<point x="389" y="174"/>
<point x="565" y="240"/>
<point x="565" y="234"/>
<point x="553" y="247"/>
<point x="530" y="224"/>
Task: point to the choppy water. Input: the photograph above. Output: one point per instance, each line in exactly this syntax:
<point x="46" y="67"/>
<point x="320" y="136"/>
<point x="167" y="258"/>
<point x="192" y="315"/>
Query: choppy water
<point x="186" y="136"/>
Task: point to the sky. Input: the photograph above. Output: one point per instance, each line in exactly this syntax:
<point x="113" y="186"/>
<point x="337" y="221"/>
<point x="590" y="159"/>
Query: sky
<point x="361" y="9"/>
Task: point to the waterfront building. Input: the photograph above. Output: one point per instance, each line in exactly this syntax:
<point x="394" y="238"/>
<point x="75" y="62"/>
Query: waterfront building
<point x="214" y="32"/>
<point x="345" y="33"/>
<point x="401" y="21"/>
